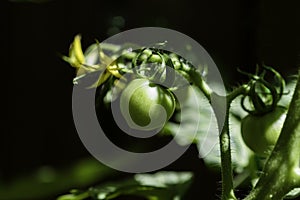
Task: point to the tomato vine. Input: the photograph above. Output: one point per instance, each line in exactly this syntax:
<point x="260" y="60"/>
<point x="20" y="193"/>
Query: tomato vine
<point x="281" y="172"/>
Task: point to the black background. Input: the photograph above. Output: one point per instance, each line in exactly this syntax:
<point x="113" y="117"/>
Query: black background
<point x="38" y="127"/>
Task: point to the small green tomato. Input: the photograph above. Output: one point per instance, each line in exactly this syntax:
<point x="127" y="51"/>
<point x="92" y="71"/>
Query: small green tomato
<point x="146" y="105"/>
<point x="260" y="133"/>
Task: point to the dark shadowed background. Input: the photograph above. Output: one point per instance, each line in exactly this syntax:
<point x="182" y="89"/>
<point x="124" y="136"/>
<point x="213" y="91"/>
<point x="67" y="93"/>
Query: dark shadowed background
<point x="38" y="128"/>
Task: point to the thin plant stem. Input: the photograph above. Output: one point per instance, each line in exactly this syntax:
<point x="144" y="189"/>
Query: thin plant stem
<point x="224" y="138"/>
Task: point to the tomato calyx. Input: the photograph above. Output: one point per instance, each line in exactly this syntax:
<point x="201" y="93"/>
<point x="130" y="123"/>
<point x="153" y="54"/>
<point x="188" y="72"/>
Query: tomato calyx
<point x="263" y="94"/>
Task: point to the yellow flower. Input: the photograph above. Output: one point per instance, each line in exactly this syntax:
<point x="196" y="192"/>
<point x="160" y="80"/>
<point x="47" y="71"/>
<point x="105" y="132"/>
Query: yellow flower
<point x="77" y="60"/>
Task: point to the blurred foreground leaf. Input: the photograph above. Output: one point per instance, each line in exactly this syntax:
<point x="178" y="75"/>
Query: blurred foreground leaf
<point x="48" y="181"/>
<point x="162" y="185"/>
<point x="293" y="194"/>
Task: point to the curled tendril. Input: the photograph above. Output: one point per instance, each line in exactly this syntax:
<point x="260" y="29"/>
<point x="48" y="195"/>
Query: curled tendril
<point x="263" y="96"/>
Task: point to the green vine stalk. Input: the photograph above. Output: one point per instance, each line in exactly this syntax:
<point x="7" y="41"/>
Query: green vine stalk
<point x="226" y="166"/>
<point x="224" y="137"/>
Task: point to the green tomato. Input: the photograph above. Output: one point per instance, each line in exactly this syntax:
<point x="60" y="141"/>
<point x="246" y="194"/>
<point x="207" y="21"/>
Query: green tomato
<point x="146" y="105"/>
<point x="260" y="133"/>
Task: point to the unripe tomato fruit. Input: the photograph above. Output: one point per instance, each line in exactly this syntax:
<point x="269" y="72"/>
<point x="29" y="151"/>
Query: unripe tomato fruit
<point x="260" y="133"/>
<point x="146" y="104"/>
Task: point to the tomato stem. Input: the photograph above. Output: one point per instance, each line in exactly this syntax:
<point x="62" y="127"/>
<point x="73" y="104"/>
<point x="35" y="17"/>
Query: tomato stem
<point x="200" y="83"/>
<point x="243" y="89"/>
<point x="225" y="147"/>
<point x="226" y="164"/>
<point x="224" y="138"/>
